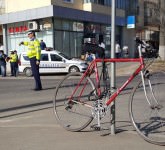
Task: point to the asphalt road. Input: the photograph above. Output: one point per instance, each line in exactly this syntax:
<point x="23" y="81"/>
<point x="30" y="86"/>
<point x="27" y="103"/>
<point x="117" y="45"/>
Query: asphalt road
<point x="27" y="121"/>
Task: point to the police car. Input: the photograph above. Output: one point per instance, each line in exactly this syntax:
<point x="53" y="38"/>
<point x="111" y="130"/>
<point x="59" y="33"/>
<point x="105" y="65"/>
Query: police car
<point x="52" y="61"/>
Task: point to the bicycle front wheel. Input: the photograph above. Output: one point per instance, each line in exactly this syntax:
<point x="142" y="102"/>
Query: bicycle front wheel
<point x="147" y="111"/>
<point x="73" y="102"/>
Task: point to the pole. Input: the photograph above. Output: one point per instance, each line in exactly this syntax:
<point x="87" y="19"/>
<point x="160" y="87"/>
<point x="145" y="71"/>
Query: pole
<point x="113" y="65"/>
<point x="5" y="46"/>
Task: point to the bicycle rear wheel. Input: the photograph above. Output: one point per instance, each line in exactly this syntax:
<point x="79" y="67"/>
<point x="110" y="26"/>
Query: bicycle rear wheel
<point x="148" y="116"/>
<point x="73" y="107"/>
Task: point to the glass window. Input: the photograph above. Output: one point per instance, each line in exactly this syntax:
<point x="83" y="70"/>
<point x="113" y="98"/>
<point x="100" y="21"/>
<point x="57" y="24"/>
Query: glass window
<point x="58" y="24"/>
<point x="78" y="26"/>
<point x="69" y="43"/>
<point x="68" y="1"/>
<point x="66" y="25"/>
<point x="58" y="40"/>
<point x="87" y="1"/>
<point x="46" y="36"/>
<point x="63" y="24"/>
<point x="44" y="57"/>
<point x="62" y="42"/>
<point x="55" y="57"/>
<point x="66" y="45"/>
<point x="119" y="3"/>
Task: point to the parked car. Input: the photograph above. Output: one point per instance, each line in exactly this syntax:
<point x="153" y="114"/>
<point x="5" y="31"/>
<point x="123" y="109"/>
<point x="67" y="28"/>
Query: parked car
<point x="52" y="61"/>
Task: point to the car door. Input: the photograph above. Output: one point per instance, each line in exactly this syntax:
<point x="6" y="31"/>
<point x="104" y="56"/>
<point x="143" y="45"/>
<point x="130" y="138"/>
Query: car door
<point x="58" y="63"/>
<point x="45" y="66"/>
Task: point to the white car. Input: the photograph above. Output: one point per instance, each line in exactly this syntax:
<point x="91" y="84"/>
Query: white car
<point x="52" y="62"/>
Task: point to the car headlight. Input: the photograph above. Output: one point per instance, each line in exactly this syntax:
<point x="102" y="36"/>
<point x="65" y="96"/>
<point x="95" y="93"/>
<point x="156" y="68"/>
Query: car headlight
<point x="84" y="64"/>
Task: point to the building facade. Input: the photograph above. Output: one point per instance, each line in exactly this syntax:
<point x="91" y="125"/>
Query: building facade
<point x="148" y="24"/>
<point x="2" y="11"/>
<point x="65" y="24"/>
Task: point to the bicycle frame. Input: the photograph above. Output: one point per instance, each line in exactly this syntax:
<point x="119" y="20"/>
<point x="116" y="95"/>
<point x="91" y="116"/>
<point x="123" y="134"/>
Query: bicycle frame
<point x="93" y="65"/>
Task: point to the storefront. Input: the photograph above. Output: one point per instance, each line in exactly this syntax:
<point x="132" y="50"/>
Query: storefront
<point x="62" y="31"/>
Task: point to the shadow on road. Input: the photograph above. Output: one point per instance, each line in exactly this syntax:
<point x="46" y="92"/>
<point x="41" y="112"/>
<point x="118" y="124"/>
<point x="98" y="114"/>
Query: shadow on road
<point x="26" y="109"/>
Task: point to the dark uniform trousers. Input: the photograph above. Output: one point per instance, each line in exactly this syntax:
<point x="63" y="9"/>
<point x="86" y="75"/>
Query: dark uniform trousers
<point x="14" y="67"/>
<point x="36" y="74"/>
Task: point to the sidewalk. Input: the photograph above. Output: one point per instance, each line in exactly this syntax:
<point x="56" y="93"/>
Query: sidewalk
<point x="39" y="130"/>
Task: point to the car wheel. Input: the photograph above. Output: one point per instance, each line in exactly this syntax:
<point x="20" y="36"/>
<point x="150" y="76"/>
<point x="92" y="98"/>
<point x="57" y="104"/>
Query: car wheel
<point x="74" y="69"/>
<point x="28" y="72"/>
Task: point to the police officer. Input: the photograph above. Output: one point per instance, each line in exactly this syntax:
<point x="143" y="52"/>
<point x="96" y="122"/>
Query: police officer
<point x="13" y="63"/>
<point x="34" y="54"/>
<point x="16" y="63"/>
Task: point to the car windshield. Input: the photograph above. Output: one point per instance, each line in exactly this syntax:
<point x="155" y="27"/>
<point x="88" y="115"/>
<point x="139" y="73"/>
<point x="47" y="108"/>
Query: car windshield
<point x="66" y="57"/>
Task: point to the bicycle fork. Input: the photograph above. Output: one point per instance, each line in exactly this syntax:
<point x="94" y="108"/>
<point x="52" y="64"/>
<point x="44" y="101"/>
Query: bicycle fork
<point x="147" y="75"/>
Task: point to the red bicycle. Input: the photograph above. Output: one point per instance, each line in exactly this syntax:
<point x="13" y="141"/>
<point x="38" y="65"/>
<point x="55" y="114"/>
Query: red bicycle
<point x="80" y="98"/>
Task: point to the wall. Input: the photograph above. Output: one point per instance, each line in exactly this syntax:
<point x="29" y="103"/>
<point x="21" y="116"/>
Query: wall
<point x="140" y="17"/>
<point x="77" y="4"/>
<point x="12" y="6"/>
<point x="20" y="5"/>
<point x="92" y="7"/>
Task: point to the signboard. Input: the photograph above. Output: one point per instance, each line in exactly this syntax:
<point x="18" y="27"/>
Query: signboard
<point x="17" y="29"/>
<point x="130" y="22"/>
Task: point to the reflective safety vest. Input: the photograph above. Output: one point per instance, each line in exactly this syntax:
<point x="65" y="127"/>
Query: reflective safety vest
<point x="13" y="58"/>
<point x="34" y="49"/>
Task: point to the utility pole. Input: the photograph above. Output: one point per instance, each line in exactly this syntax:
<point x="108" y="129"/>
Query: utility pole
<point x="162" y="30"/>
<point x="113" y="65"/>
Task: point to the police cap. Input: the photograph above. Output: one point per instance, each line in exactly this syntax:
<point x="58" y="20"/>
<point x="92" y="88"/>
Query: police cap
<point x="31" y="32"/>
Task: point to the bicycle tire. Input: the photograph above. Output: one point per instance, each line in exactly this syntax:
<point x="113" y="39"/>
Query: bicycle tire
<point x="149" y="120"/>
<point x="74" y="116"/>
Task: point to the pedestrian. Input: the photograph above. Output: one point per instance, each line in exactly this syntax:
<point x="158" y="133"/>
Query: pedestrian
<point x="34" y="55"/>
<point x="13" y="61"/>
<point x="125" y="51"/>
<point x="42" y="45"/>
<point x="3" y="58"/>
<point x="1" y="48"/>
<point x="89" y="57"/>
<point x="117" y="50"/>
<point x="102" y="46"/>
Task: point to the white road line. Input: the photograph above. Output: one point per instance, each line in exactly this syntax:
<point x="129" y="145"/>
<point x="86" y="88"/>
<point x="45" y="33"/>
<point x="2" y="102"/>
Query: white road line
<point x="31" y="126"/>
<point x="15" y="119"/>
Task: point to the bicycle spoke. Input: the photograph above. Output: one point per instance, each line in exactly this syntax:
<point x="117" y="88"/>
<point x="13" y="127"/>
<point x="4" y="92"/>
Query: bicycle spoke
<point x="73" y="102"/>
<point x="149" y="119"/>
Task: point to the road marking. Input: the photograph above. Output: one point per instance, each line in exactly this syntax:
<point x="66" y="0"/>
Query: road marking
<point x="31" y="126"/>
<point x="15" y="119"/>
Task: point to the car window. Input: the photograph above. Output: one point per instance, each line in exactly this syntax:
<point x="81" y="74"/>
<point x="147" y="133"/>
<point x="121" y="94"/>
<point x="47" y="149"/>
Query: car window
<point x="55" y="57"/>
<point x="63" y="55"/>
<point x="44" y="57"/>
<point x="25" y="57"/>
